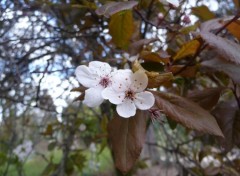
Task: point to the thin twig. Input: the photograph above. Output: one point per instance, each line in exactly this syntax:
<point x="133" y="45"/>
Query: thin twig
<point x="204" y="45"/>
<point x="234" y="90"/>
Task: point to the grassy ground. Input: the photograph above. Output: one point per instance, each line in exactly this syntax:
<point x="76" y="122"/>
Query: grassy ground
<point x="36" y="164"/>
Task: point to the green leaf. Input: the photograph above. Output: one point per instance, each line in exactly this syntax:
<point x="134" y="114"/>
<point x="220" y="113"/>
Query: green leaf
<point x="49" y="169"/>
<point x="188" y="29"/>
<point x="232" y="70"/>
<point x="113" y="7"/>
<point x="187" y="113"/>
<point x="203" y="13"/>
<point x="127" y="136"/>
<point x="48" y="130"/>
<point x="121" y="28"/>
<point x="52" y="145"/>
<point x="172" y="124"/>
<point x="225" y="48"/>
<point x="3" y="158"/>
<point x="234" y="29"/>
<point x="78" y="160"/>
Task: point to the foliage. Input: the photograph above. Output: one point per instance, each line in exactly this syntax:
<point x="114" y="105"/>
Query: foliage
<point x="189" y="53"/>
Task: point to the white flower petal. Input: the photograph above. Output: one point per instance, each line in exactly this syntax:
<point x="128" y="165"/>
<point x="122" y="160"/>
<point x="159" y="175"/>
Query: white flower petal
<point x="113" y="96"/>
<point x="126" y="109"/>
<point x="174" y="2"/>
<point x="126" y="55"/>
<point x="144" y="100"/>
<point x="100" y="68"/>
<point x="139" y="81"/>
<point x="93" y="96"/>
<point x="133" y="58"/>
<point x="121" y="80"/>
<point x="85" y="76"/>
<point x="130" y="58"/>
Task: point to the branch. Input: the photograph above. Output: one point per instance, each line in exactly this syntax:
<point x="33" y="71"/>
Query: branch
<point x="204" y="45"/>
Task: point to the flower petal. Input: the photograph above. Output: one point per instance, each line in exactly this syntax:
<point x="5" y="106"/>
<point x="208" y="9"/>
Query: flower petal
<point x="121" y="80"/>
<point x="113" y="96"/>
<point x="144" y="100"/>
<point x="130" y="58"/>
<point x="139" y="81"/>
<point x="93" y="96"/>
<point x="174" y="2"/>
<point x="133" y="58"/>
<point x="86" y="77"/>
<point x="100" y="68"/>
<point x="126" y="109"/>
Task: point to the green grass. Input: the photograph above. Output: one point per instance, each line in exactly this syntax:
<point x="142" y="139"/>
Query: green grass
<point x="105" y="160"/>
<point x="36" y="164"/>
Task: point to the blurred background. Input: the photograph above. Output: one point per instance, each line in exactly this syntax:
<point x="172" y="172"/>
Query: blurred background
<point x="44" y="132"/>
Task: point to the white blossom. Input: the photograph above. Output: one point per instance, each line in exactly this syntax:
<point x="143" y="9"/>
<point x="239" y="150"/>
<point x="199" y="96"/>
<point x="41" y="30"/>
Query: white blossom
<point x="82" y="127"/>
<point x="23" y="150"/>
<point x="92" y="147"/>
<point x="175" y="3"/>
<point x="210" y="160"/>
<point x="131" y="58"/>
<point x="96" y="77"/>
<point x="128" y="92"/>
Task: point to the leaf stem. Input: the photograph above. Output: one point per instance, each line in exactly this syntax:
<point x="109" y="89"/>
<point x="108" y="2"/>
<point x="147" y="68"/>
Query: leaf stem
<point x="234" y="90"/>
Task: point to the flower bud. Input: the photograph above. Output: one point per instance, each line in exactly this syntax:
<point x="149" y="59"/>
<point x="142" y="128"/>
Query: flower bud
<point x="186" y="19"/>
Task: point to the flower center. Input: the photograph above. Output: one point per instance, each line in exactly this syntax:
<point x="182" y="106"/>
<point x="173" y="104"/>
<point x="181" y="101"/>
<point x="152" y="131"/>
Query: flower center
<point x="129" y="94"/>
<point x="105" y="81"/>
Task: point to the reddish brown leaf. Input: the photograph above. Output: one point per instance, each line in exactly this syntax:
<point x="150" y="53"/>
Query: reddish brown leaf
<point x="187" y="49"/>
<point x="127" y="136"/>
<point x="156" y="79"/>
<point x="188" y="72"/>
<point x="207" y="98"/>
<point x="230" y="69"/>
<point x="228" y="118"/>
<point x="162" y="56"/>
<point x="137" y="46"/>
<point x="225" y="48"/>
<point x="187" y="113"/>
<point x="237" y="3"/>
<point x="214" y="24"/>
<point x="79" y="89"/>
<point x="114" y="7"/>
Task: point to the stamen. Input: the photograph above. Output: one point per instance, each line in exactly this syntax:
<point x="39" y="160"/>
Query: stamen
<point x="156" y="115"/>
<point x="105" y="81"/>
<point x="129" y="94"/>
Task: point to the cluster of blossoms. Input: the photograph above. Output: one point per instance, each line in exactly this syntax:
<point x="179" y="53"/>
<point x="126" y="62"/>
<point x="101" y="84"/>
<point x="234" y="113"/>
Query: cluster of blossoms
<point x="121" y="87"/>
